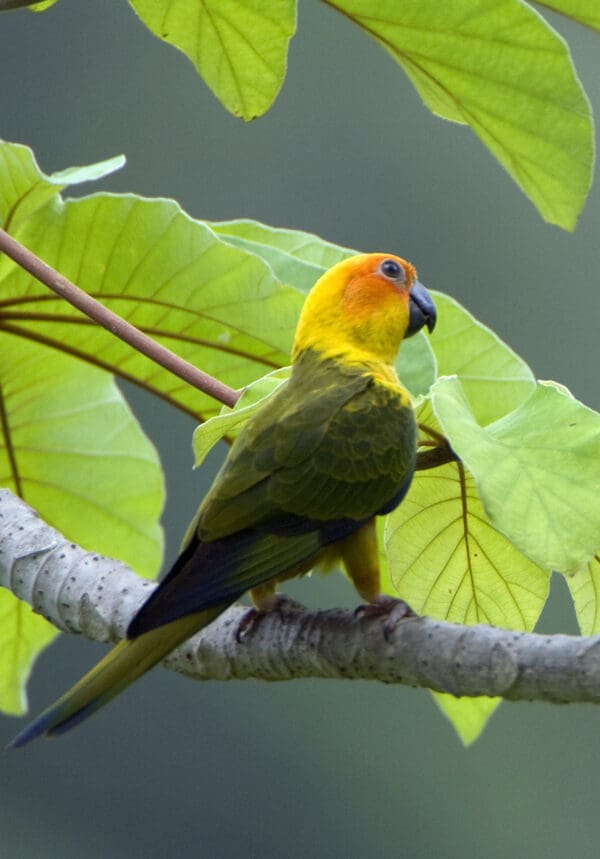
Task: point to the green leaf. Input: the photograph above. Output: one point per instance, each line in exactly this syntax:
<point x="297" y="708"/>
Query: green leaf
<point x="537" y="470"/>
<point x="585" y="591"/>
<point x="24" y="188"/>
<point x="71" y="448"/>
<point x="448" y="561"/>
<point x="494" y="379"/>
<point x="416" y="365"/>
<point x="499" y="67"/>
<point x="42" y="6"/>
<point x="88" y="173"/>
<point x="585" y="11"/>
<point x="238" y="46"/>
<point x="230" y="421"/>
<point x="469" y="716"/>
<point x="68" y="439"/>
<point x="295" y="257"/>
<point x="23" y="635"/>
<point x="216" y="306"/>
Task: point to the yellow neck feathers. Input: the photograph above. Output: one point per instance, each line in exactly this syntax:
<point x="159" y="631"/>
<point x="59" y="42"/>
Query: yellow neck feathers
<point x="358" y="310"/>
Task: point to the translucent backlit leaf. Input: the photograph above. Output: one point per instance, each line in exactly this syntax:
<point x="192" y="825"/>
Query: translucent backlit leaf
<point x="67" y="438"/>
<point x="585" y="590"/>
<point x="169" y="275"/>
<point x="469" y="716"/>
<point x="23" y="635"/>
<point x="24" y="188"/>
<point x="448" y="561"/>
<point x="537" y="470"/>
<point x="499" y="67"/>
<point x="238" y="46"/>
<point x="494" y="379"/>
<point x="71" y="448"/>
<point x="295" y="257"/>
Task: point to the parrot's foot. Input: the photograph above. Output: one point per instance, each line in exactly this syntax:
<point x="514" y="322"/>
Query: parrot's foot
<point x="275" y="602"/>
<point x="385" y="606"/>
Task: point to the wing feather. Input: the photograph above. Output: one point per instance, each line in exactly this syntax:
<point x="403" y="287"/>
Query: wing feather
<point x="336" y="445"/>
<point x="326" y="453"/>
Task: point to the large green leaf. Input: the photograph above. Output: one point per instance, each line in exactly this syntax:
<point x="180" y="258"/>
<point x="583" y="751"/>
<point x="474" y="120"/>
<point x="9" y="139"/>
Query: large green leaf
<point x="68" y="437"/>
<point x="495" y="65"/>
<point x="498" y="66"/>
<point x="71" y="448"/>
<point x="238" y="46"/>
<point x="23" y="635"/>
<point x="448" y="561"/>
<point x="24" y="188"/>
<point x="537" y="470"/>
<point x="295" y="257"/>
<point x="494" y="379"/>
<point x="217" y="306"/>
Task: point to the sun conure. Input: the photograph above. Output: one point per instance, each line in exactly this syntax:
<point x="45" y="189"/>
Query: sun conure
<point x="332" y="449"/>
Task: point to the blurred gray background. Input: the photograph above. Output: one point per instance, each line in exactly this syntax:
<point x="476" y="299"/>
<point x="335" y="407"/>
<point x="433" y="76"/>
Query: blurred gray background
<point x="175" y="768"/>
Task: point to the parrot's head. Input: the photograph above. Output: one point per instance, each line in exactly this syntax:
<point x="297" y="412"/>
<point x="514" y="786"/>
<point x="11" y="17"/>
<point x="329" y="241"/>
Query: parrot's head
<point x="365" y="305"/>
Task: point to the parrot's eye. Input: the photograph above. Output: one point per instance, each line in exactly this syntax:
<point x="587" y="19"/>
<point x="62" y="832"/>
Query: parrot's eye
<point x="390" y="268"/>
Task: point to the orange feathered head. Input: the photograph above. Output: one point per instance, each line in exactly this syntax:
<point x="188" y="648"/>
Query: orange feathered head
<point x="363" y="308"/>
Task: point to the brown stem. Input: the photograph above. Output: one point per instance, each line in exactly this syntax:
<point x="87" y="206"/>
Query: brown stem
<point x="114" y="323"/>
<point x="434" y="456"/>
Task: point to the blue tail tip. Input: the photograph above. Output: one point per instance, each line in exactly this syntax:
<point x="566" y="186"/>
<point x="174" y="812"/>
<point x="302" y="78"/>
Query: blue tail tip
<point x="39" y="726"/>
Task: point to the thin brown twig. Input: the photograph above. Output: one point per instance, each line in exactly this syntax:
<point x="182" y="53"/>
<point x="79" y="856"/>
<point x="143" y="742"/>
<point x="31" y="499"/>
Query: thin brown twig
<point x="441" y="454"/>
<point x="114" y="323"/>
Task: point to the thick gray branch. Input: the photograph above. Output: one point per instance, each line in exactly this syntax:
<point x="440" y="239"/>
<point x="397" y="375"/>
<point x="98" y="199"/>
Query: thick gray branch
<point x="85" y="593"/>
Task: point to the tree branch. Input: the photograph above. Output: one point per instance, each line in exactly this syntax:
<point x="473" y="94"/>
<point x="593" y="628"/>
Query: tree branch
<point x="84" y="593"/>
<point x="114" y="323"/>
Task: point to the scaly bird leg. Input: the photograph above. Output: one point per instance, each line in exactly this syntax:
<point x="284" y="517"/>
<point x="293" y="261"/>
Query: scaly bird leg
<point x="360" y="554"/>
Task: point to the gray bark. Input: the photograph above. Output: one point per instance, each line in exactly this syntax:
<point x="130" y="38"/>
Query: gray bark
<point x="81" y="592"/>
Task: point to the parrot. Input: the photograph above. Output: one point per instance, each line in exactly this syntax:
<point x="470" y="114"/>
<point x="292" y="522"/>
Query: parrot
<point x="330" y="450"/>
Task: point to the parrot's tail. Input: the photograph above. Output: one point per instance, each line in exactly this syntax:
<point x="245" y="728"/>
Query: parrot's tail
<point x="122" y="666"/>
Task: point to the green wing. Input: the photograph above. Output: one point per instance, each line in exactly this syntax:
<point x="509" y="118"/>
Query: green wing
<point x="332" y="444"/>
<point x="330" y="450"/>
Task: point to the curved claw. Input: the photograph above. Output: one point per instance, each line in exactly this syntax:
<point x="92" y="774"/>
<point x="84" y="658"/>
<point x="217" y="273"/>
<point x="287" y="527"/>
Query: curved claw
<point x="246" y="624"/>
<point x="395" y="609"/>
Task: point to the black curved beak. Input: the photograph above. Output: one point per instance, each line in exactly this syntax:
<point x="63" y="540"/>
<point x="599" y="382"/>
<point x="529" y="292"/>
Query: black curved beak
<point x="421" y="309"/>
